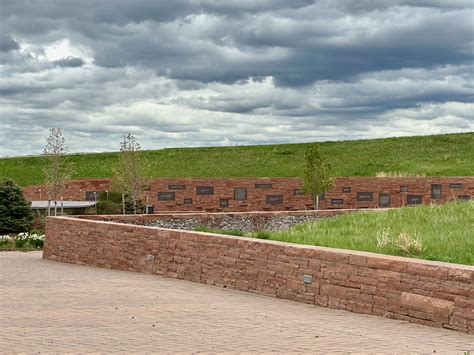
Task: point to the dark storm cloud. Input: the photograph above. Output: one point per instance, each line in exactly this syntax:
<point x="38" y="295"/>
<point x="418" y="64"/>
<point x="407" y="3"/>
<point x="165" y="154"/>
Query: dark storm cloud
<point x="69" y="62"/>
<point x="7" y="43"/>
<point x="216" y="72"/>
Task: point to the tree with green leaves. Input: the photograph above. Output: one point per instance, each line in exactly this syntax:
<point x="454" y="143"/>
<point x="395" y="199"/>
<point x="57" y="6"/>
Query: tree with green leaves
<point x="129" y="176"/>
<point x="15" y="212"/>
<point x="317" y="174"/>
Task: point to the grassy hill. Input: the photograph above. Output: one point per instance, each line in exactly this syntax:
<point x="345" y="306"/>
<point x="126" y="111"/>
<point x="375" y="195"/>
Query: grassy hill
<point x="449" y="155"/>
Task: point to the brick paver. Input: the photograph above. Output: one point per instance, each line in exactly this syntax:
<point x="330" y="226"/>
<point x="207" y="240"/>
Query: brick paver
<point x="53" y="307"/>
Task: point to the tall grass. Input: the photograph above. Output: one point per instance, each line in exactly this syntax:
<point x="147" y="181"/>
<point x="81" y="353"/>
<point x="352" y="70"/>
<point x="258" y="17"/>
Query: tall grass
<point x="437" y="232"/>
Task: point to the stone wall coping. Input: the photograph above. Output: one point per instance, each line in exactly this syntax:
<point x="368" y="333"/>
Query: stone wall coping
<point x="345" y="252"/>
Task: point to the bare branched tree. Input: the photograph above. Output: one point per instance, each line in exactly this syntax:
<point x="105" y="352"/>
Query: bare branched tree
<point x="56" y="171"/>
<point x="129" y="174"/>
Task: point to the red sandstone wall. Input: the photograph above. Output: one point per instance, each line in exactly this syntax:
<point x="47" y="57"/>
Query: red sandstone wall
<point x="256" y="197"/>
<point x="430" y="293"/>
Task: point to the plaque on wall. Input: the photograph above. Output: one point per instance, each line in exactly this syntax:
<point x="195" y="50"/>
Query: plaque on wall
<point x="365" y="196"/>
<point x="223" y="202"/>
<point x="435" y="191"/>
<point x="298" y="192"/>
<point x="176" y="187"/>
<point x="204" y="190"/>
<point x="188" y="201"/>
<point x="263" y="186"/>
<point x="321" y="197"/>
<point x="337" y="201"/>
<point x="414" y="199"/>
<point x="274" y="199"/>
<point x="240" y="193"/>
<point x="464" y="197"/>
<point x="166" y="196"/>
<point x="456" y="185"/>
<point x="403" y="188"/>
<point x="346" y="189"/>
<point x="146" y="188"/>
<point x="384" y="200"/>
<point x="93" y="195"/>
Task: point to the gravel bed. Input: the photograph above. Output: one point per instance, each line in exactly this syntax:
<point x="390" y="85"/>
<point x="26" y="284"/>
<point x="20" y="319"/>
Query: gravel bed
<point x="241" y="223"/>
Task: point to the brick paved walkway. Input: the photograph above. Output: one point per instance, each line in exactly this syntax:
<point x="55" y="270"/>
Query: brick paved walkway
<point x="54" y="307"/>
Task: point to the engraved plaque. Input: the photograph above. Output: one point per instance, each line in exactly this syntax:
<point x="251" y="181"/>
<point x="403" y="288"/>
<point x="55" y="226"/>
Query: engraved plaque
<point x="176" y="187"/>
<point x="166" y="196"/>
<point x="188" y="201"/>
<point x="365" y="196"/>
<point x="464" y="197"/>
<point x="240" y="193"/>
<point x="337" y="201"/>
<point x="204" y="190"/>
<point x="263" y="186"/>
<point x="298" y="192"/>
<point x="384" y="200"/>
<point x="346" y="189"/>
<point x="456" y="185"/>
<point x="414" y="199"/>
<point x="93" y="195"/>
<point x="223" y="202"/>
<point x="403" y="188"/>
<point x="274" y="199"/>
<point x="435" y="191"/>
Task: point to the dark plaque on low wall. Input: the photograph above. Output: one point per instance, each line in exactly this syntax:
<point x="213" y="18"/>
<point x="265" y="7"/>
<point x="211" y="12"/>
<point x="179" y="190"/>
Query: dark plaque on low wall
<point x="403" y="188"/>
<point x="204" y="190"/>
<point x="337" y="201"/>
<point x="176" y="187"/>
<point x="274" y="199"/>
<point x="456" y="185"/>
<point x="414" y="199"/>
<point x="188" y="201"/>
<point x="298" y="192"/>
<point x="384" y="200"/>
<point x="166" y="196"/>
<point x="263" y="186"/>
<point x="435" y="191"/>
<point x="464" y="197"/>
<point x="346" y="189"/>
<point x="223" y="202"/>
<point x="240" y="193"/>
<point x="365" y="196"/>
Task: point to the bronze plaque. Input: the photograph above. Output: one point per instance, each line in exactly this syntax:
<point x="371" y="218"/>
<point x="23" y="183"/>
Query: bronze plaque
<point x="263" y="186"/>
<point x="274" y="199"/>
<point x="223" y="203"/>
<point x="188" y="201"/>
<point x="384" y="200"/>
<point x="414" y="199"/>
<point x="204" y="190"/>
<point x="456" y="185"/>
<point x="435" y="191"/>
<point x="298" y="192"/>
<point x="240" y="193"/>
<point x="166" y="196"/>
<point x="346" y="189"/>
<point x="337" y="201"/>
<point x="365" y="196"/>
<point x="176" y="187"/>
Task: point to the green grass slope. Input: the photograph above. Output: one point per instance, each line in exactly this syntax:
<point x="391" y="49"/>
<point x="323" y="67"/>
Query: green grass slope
<point x="437" y="155"/>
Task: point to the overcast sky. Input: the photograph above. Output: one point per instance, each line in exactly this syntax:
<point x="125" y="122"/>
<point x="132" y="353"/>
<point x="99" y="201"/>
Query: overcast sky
<point x="209" y="73"/>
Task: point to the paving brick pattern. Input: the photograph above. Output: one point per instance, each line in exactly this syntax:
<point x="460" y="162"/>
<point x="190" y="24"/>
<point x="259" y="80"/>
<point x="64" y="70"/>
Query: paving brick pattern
<point x="47" y="306"/>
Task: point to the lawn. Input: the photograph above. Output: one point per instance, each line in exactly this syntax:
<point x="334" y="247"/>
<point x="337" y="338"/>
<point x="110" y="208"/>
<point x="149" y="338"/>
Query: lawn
<point x="438" y="155"/>
<point x="437" y="232"/>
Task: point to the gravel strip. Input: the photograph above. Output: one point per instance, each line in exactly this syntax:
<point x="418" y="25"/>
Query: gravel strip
<point x="245" y="224"/>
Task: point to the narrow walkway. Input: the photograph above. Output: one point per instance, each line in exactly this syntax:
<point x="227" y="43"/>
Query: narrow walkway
<point x="54" y="307"/>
